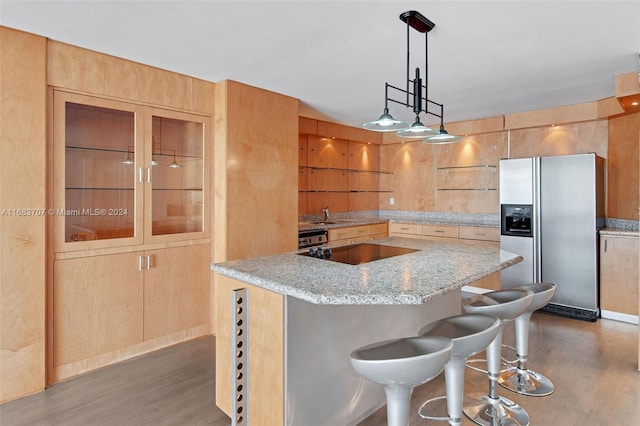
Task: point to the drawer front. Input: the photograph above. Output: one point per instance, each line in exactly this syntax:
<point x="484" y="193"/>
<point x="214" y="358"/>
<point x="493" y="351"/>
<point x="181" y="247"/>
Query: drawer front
<point x="440" y="231"/>
<point x="349" y="232"/>
<point x="405" y="228"/>
<point x="378" y="228"/>
<point x="441" y="239"/>
<point x="479" y="233"/>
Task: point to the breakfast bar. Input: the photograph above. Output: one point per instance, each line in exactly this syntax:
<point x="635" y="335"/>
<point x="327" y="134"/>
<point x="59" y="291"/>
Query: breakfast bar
<point x="282" y="347"/>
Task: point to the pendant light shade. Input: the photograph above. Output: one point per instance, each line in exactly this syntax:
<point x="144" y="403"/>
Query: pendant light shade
<point x="442" y="137"/>
<point x="386" y="123"/>
<point x="417" y="131"/>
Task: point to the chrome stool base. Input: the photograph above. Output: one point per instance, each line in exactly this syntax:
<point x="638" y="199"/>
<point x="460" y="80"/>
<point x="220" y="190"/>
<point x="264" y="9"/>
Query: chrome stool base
<point x="526" y="382"/>
<point x="486" y="411"/>
<point x="432" y="402"/>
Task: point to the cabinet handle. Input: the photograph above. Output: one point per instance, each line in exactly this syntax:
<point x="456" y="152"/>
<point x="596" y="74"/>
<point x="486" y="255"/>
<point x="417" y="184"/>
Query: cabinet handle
<point x="148" y="174"/>
<point x="148" y="262"/>
<point x="140" y="175"/>
<point x="140" y="263"/>
<point x="605" y="245"/>
<point x="440" y="231"/>
<point x="404" y="229"/>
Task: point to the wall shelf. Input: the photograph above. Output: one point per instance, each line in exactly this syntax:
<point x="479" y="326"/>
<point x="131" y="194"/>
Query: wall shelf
<point x="335" y="169"/>
<point x="479" y="177"/>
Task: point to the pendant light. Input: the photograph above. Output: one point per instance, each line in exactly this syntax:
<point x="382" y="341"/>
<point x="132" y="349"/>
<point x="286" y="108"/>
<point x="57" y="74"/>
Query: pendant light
<point x="174" y="164"/>
<point x="128" y="161"/>
<point x="386" y="122"/>
<point x="414" y="97"/>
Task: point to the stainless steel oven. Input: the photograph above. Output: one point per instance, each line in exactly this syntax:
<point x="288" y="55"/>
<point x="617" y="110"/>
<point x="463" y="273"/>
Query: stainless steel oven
<point x="312" y="238"/>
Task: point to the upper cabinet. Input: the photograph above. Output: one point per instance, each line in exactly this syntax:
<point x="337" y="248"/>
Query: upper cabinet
<point x="126" y="174"/>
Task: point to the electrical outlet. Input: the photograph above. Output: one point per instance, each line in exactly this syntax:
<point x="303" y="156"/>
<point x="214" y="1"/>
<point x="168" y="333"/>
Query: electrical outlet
<point x="392" y="201"/>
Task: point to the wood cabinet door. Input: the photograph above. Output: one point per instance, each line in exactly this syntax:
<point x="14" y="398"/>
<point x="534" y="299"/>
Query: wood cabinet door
<point x="619" y="274"/>
<point x="97" y="153"/>
<point x="327" y="152"/>
<point x="97" y="305"/>
<point x="176" y="289"/>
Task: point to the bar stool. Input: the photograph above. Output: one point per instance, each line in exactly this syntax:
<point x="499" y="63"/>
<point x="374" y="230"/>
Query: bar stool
<point x="399" y="365"/>
<point x="519" y="379"/>
<point x="492" y="409"/>
<point x="470" y="334"/>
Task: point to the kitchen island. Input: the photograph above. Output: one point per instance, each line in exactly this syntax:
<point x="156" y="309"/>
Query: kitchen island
<point x="298" y="318"/>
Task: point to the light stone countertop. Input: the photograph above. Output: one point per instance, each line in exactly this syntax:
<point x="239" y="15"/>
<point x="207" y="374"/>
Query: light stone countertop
<point x="409" y="279"/>
<point x="617" y="232"/>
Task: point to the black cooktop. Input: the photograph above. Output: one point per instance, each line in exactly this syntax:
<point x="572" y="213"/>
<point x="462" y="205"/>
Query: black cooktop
<point x="356" y="254"/>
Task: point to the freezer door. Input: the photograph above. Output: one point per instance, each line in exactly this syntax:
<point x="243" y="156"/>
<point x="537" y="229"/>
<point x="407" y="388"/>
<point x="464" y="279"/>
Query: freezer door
<point x="516" y="181"/>
<point x="520" y="273"/>
<point x="568" y="234"/>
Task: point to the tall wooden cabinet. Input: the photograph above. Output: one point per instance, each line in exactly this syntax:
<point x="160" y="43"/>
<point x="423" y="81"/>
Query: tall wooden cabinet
<point x="130" y="230"/>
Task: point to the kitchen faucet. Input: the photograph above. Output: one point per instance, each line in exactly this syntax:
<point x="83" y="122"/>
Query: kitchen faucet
<point x="326" y="213"/>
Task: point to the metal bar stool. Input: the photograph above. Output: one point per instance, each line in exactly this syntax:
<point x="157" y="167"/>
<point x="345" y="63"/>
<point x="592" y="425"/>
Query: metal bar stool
<point x="491" y="409"/>
<point x="519" y="379"/>
<point x="399" y="365"/>
<point x="470" y="334"/>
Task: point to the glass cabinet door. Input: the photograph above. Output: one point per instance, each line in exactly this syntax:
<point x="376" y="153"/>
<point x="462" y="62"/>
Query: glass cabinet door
<point x="177" y="170"/>
<point x="96" y="158"/>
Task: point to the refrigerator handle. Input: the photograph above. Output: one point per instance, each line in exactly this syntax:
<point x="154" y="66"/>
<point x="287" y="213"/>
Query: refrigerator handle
<point x="537" y="237"/>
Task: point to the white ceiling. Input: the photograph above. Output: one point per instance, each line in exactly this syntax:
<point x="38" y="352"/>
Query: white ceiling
<point x="486" y="58"/>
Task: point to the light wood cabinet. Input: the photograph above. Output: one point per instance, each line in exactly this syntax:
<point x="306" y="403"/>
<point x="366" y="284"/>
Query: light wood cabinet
<point x="619" y="275"/>
<point x="97" y="305"/>
<point x="109" y="305"/>
<point x="130" y="230"/>
<point x="355" y="234"/>
<point x="126" y="174"/>
<point x="440" y="233"/>
<point x="337" y="171"/>
<point x="176" y="290"/>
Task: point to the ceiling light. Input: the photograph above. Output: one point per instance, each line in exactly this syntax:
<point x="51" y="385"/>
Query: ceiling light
<point x="416" y="131"/>
<point x="442" y="137"/>
<point x="414" y="97"/>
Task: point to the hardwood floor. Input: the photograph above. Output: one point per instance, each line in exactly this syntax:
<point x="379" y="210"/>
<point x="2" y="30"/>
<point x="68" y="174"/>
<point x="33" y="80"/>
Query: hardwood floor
<point x="593" y="365"/>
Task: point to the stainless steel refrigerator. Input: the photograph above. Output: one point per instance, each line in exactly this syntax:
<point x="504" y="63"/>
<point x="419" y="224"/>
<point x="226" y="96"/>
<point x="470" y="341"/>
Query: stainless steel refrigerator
<point x="551" y="211"/>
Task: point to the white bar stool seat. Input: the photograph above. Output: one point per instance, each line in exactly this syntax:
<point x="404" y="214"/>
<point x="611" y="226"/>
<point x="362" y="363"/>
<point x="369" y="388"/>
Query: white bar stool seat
<point x="491" y="409"/>
<point x="399" y="365"/>
<point x="470" y="334"/>
<point x="519" y="379"/>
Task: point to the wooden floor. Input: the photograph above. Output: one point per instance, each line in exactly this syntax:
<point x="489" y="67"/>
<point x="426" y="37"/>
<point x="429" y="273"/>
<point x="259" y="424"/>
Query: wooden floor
<point x="593" y="365"/>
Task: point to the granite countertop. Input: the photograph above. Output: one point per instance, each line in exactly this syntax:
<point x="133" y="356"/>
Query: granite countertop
<point x="338" y="223"/>
<point x="409" y="279"/>
<point x="619" y="232"/>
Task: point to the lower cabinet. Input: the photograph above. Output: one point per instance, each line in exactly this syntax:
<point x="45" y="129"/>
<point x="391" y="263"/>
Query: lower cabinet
<point x="97" y="306"/>
<point x="619" y="274"/>
<point x="113" y="307"/>
<point x="356" y="234"/>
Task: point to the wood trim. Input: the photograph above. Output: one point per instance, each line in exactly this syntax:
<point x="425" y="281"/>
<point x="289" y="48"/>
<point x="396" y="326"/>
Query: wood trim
<point x="307" y="126"/>
<point x="337" y="131"/>
<point x="66" y="371"/>
<point x="369" y="137"/>
<point x="474" y="127"/>
<point x="627" y="84"/>
<point x="88" y="71"/>
<point x="609" y="107"/>
<point x="546" y="117"/>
